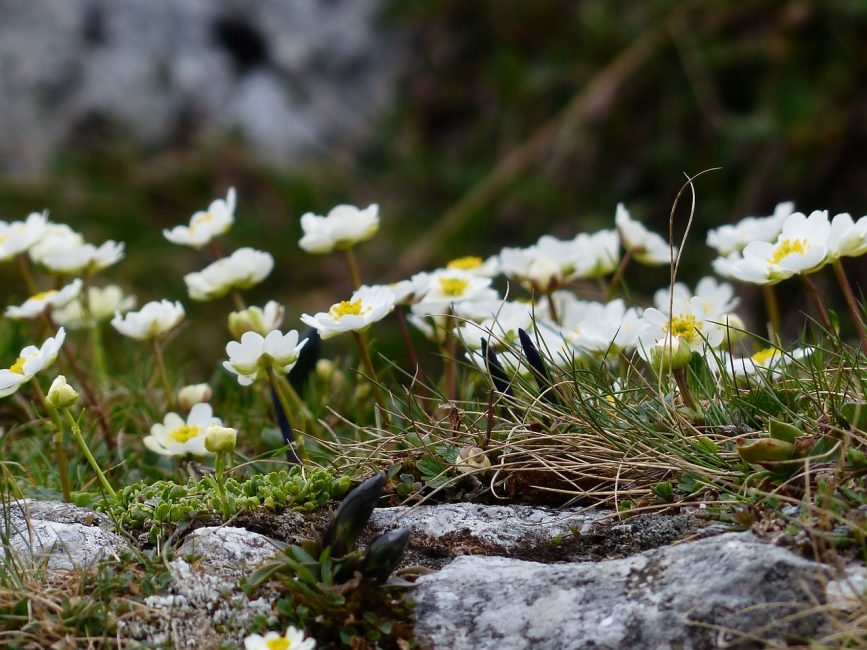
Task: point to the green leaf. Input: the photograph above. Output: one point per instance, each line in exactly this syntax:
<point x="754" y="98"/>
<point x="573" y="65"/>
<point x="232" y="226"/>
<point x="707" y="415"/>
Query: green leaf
<point x="784" y="431"/>
<point x="766" y="450"/>
<point x="855" y="413"/>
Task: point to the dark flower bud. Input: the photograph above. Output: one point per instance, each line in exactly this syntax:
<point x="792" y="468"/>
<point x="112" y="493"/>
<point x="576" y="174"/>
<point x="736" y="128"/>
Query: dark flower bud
<point x="537" y="364"/>
<point x="384" y="555"/>
<point x="495" y="369"/>
<point x="352" y="516"/>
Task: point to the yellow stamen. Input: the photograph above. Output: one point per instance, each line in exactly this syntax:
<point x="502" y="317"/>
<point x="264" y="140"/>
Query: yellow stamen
<point x="453" y="286"/>
<point x="763" y="356"/>
<point x="184" y="433"/>
<point x="787" y="247"/>
<point x="3" y="238"/>
<point x="18" y="366"/>
<point x="465" y="263"/>
<point x="43" y="295"/>
<point x="200" y="219"/>
<point x="685" y="326"/>
<point x="280" y="643"/>
<point x="348" y="308"/>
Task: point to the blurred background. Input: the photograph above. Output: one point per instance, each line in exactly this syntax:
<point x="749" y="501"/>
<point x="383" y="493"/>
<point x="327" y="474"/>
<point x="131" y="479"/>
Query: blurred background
<point x="472" y="124"/>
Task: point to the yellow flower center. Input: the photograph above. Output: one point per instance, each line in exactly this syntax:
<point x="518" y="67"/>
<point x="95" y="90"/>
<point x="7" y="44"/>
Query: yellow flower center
<point x="3" y="238"/>
<point x="453" y="286"/>
<point x="465" y="263"/>
<point x="348" y="308"/>
<point x="184" y="433"/>
<point x="280" y="643"/>
<point x="787" y="247"/>
<point x="18" y="366"/>
<point x="200" y="220"/>
<point x="685" y="326"/>
<point x="763" y="356"/>
<point x="43" y="295"/>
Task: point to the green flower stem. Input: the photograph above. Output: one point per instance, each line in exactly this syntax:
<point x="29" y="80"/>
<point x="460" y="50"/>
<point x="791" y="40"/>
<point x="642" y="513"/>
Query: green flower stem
<point x="772" y="308"/>
<point x="219" y="470"/>
<point x="89" y="393"/>
<point x="286" y="402"/>
<point x="618" y="275"/>
<point x="407" y="340"/>
<point x="353" y="268"/>
<point x="361" y="344"/>
<point x="97" y="352"/>
<point x="851" y="302"/>
<point x="552" y="308"/>
<point x="21" y="262"/>
<point x="293" y="397"/>
<point x="76" y="433"/>
<point x="820" y="305"/>
<point x="164" y="375"/>
<point x="449" y="381"/>
<point x="57" y="438"/>
<point x="238" y="299"/>
<point x="685" y="392"/>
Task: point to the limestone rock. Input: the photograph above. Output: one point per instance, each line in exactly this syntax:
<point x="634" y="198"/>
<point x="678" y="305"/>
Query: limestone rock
<point x="695" y="595"/>
<point x="61" y="535"/>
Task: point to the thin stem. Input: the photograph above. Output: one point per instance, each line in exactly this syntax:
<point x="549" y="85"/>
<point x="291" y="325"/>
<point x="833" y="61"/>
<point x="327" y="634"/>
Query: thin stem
<point x="164" y="376"/>
<point x="407" y="340"/>
<point x="89" y="393"/>
<point x="449" y="365"/>
<point x="552" y="309"/>
<point x="820" y="305"/>
<point x="25" y="274"/>
<point x="618" y="275"/>
<point x="353" y="268"/>
<point x="280" y="389"/>
<point x="685" y="392"/>
<point x="219" y="470"/>
<point x="772" y="308"/>
<point x="361" y="344"/>
<point x="851" y="302"/>
<point x="238" y="299"/>
<point x="59" y="452"/>
<point x="76" y="433"/>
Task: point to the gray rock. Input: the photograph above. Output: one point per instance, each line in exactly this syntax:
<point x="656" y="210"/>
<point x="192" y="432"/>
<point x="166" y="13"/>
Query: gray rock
<point x="294" y="78"/>
<point x="59" y="535"/>
<point x="226" y="546"/>
<point x="695" y="595"/>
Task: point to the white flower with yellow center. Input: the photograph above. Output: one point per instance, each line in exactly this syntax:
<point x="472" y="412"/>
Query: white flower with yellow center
<point x="102" y="304"/>
<point x="365" y="307"/>
<point x="204" y="226"/>
<point x="18" y="236"/>
<point x="153" y="320"/>
<point x="175" y="436"/>
<point x="499" y="322"/>
<point x="257" y="319"/>
<point x="848" y="238"/>
<point x="476" y="265"/>
<point x="800" y="248"/>
<point x="244" y="268"/>
<point x="730" y="239"/>
<point x="343" y="227"/>
<point x="598" y="328"/>
<point x="38" y="304"/>
<point x="767" y="362"/>
<point x="643" y="245"/>
<point x="717" y="298"/>
<point x="689" y="321"/>
<point x="63" y="251"/>
<point x="254" y="356"/>
<point x="450" y="286"/>
<point x="31" y="361"/>
<point x="292" y="640"/>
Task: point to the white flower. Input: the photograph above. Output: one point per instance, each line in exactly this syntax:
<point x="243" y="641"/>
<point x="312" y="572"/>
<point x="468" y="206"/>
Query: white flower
<point x="19" y="236"/>
<point x="256" y="319"/>
<point x="29" y="362"/>
<point x="801" y="247"/>
<point x="36" y="305"/>
<point x="690" y="322"/>
<point x="476" y="265"/>
<point x="153" y="320"/>
<point x="193" y="394"/>
<point x="450" y="286"/>
<point x="734" y="238"/>
<point x="176" y="437"/>
<point x="542" y="267"/>
<point x="598" y="328"/>
<point x="61" y="250"/>
<point x="244" y="268"/>
<point x="768" y="362"/>
<point x="600" y="254"/>
<point x="847" y="238"/>
<point x="645" y="247"/>
<point x="500" y="322"/>
<point x="411" y="291"/>
<point x="61" y="394"/>
<point x="343" y="227"/>
<point x="204" y="226"/>
<point x="102" y="303"/>
<point x="292" y="640"/>
<point x="252" y="357"/>
<point x="718" y="298"/>
<point x="366" y="306"/>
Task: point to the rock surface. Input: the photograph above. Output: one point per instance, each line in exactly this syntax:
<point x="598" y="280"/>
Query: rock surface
<point x="293" y="78"/>
<point x="59" y="535"/>
<point x="696" y="595"/>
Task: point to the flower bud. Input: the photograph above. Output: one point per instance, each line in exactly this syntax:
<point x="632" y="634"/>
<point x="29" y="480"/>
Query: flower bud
<point x="256" y="319"/>
<point x="671" y="353"/>
<point x="220" y="440"/>
<point x="734" y="329"/>
<point x="61" y="394"/>
<point x="472" y="459"/>
<point x="193" y="394"/>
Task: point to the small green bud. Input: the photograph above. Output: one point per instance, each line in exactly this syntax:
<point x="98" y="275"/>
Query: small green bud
<point x="193" y="394"/>
<point x="255" y="319"/>
<point x="220" y="440"/>
<point x="61" y="395"/>
<point x="671" y="353"/>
